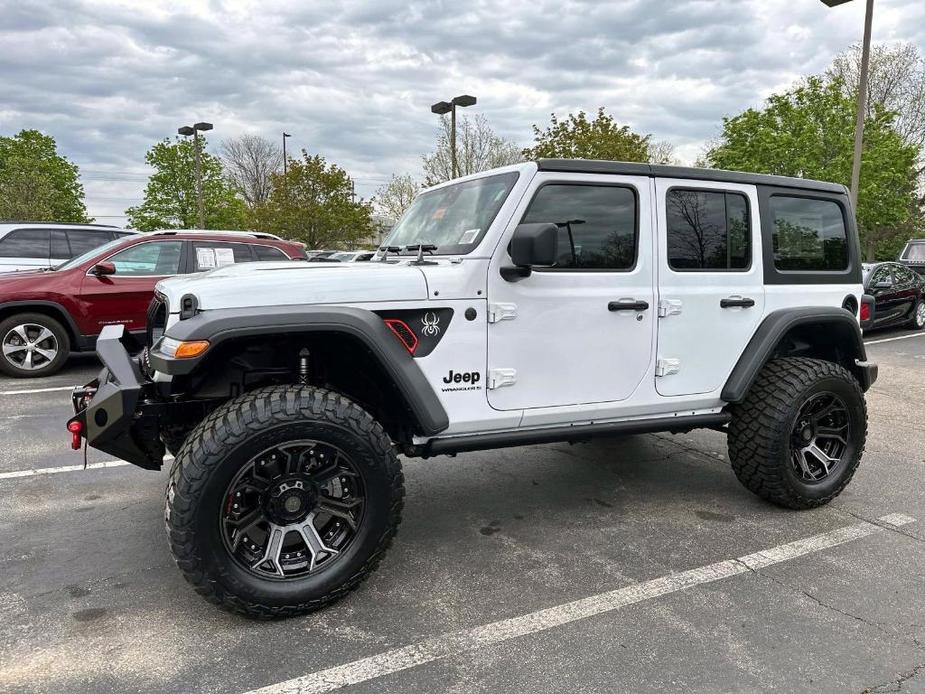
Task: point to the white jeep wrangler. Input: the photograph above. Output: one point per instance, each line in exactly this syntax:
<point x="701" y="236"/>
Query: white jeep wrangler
<point x="557" y="300"/>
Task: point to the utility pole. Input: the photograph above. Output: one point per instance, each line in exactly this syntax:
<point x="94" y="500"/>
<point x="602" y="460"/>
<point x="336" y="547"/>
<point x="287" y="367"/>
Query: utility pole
<point x="862" y="98"/>
<point x="442" y="108"/>
<point x="194" y="130"/>
<point x="285" y="160"/>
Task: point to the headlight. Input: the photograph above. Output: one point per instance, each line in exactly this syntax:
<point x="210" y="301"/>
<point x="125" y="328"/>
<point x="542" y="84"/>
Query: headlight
<point x="182" y="350"/>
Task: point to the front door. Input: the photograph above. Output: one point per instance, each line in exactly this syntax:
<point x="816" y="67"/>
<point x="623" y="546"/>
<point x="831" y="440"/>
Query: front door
<point x="710" y="282"/>
<point x="580" y="332"/>
<point x="123" y="298"/>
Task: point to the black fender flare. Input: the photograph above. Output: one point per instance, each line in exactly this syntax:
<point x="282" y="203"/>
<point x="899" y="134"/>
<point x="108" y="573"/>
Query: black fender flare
<point x="222" y="325"/>
<point x="840" y="327"/>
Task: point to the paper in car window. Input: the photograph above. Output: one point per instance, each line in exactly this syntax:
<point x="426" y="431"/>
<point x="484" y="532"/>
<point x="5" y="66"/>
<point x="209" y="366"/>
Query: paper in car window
<point x="469" y="236"/>
<point x="224" y="256"/>
<point x="439" y="213"/>
<point x="205" y="258"/>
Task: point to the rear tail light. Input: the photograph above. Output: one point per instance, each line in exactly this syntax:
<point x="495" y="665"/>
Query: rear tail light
<point x="865" y="311"/>
<point x="404" y="333"/>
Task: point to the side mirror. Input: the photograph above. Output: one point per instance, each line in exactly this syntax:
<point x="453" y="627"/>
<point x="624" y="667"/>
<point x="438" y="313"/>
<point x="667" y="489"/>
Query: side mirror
<point x="104" y="268"/>
<point x="533" y="245"/>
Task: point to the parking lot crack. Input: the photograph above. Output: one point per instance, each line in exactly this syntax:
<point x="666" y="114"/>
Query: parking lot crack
<point x="885" y="526"/>
<point x="897" y="684"/>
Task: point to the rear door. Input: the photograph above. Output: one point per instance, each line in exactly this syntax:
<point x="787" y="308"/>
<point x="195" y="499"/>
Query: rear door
<point x="123" y="298"/>
<point x="710" y="282"/>
<point x="25" y="249"/>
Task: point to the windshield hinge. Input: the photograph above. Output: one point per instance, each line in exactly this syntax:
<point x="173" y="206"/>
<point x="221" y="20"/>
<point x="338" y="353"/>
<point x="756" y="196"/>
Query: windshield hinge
<point x="669" y="307"/>
<point x="499" y="312"/>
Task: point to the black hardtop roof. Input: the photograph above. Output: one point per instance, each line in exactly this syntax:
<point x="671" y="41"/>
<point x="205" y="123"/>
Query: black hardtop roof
<point x="689" y="172"/>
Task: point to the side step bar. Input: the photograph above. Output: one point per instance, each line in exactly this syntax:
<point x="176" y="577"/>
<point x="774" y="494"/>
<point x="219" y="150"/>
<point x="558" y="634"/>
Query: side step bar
<point x="573" y="433"/>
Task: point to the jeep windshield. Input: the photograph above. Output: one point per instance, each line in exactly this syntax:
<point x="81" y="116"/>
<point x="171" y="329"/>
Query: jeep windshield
<point x="453" y="218"/>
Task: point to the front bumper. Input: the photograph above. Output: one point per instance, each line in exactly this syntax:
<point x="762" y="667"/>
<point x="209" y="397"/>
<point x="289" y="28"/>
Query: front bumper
<point x="117" y="411"/>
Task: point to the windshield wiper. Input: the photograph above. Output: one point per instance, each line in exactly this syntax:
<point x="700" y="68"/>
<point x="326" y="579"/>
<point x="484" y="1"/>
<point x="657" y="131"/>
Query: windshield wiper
<point x="422" y="248"/>
<point x="385" y="250"/>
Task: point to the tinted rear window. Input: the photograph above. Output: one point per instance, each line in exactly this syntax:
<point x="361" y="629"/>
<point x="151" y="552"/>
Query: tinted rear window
<point x="25" y="243"/>
<point x="809" y="234"/>
<point x="915" y="252"/>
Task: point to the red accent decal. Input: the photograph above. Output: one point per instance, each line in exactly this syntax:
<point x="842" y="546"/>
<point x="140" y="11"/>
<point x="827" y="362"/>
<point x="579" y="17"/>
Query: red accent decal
<point x="404" y="333"/>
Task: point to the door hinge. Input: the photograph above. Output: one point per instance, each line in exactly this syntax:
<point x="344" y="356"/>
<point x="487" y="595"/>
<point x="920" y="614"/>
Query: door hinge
<point x="501" y="377"/>
<point x="499" y="312"/>
<point x="666" y="367"/>
<point x="669" y="307"/>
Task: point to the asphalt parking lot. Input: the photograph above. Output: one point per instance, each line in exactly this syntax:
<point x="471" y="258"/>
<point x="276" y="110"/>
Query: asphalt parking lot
<point x="633" y="565"/>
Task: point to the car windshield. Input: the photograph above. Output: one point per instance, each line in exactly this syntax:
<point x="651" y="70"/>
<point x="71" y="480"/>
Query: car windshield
<point x="453" y="218"/>
<point x="915" y="251"/>
<point x="93" y="252"/>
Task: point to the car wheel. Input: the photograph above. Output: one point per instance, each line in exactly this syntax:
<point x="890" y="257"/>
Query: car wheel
<point x="33" y="345"/>
<point x="918" y="316"/>
<point x="798" y="437"/>
<point x="283" y="500"/>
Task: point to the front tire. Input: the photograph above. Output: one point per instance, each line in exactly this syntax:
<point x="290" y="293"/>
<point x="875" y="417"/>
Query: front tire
<point x="33" y="345"/>
<point x="918" y="316"/>
<point x="283" y="500"/>
<point x="798" y="437"/>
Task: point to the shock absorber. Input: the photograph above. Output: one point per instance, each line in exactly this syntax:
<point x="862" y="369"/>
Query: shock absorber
<point x="303" y="366"/>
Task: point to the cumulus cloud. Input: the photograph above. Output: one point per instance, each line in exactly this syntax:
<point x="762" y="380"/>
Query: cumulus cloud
<point x="354" y="80"/>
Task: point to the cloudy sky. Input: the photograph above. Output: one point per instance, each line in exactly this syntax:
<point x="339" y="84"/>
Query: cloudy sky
<point x="354" y="80"/>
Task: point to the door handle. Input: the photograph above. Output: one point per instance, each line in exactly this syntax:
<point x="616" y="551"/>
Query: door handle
<point x="627" y="305"/>
<point x="736" y="302"/>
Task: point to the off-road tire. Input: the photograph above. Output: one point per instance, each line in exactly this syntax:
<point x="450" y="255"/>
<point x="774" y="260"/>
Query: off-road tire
<point x="59" y="332"/>
<point x="173" y="438"/>
<point x="222" y="444"/>
<point x="760" y="431"/>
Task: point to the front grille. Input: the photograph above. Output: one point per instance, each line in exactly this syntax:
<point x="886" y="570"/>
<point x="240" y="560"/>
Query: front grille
<point x="157" y="320"/>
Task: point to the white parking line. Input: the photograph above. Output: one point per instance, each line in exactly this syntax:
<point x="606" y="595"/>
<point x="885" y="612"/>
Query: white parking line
<point x="66" y="468"/>
<point x="35" y="390"/>
<point x="890" y="339"/>
<point x="468" y="640"/>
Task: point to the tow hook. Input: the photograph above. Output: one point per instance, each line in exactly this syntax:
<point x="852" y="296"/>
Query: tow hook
<point x="76" y="427"/>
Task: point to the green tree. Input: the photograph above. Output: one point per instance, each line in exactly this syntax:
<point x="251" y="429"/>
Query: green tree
<point x="313" y="202"/>
<point x="37" y="183"/>
<point x="809" y="132"/>
<point x="577" y="137"/>
<point x="170" y="195"/>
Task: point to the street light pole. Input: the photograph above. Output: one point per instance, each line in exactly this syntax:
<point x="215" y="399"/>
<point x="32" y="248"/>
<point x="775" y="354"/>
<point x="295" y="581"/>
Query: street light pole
<point x="285" y="135"/>
<point x="862" y="98"/>
<point x="442" y="108"/>
<point x="194" y="130"/>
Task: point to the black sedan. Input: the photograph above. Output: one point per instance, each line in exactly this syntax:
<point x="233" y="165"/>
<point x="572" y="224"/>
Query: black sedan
<point x="899" y="295"/>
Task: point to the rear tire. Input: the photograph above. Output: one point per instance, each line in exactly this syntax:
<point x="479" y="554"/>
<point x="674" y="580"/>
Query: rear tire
<point x="798" y="437"/>
<point x="918" y="316"/>
<point x="33" y="345"/>
<point x="305" y="558"/>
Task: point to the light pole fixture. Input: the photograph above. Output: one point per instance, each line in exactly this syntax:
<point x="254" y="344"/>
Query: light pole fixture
<point x="442" y="108"/>
<point x="862" y="98"/>
<point x="194" y="130"/>
<point x="285" y="136"/>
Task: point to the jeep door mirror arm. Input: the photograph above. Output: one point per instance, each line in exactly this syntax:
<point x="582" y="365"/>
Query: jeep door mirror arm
<point x="532" y="245"/>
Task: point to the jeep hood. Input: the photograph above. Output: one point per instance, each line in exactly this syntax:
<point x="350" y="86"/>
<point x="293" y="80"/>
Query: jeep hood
<point x="294" y="283"/>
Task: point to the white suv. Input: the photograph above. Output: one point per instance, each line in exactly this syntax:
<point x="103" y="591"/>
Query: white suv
<point x="38" y="245"/>
<point x="557" y="300"/>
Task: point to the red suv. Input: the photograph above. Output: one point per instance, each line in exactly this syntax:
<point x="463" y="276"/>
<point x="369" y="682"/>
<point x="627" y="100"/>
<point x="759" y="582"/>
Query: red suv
<point x="46" y="314"/>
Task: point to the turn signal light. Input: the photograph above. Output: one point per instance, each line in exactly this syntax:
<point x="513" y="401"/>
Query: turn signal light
<point x="185" y="350"/>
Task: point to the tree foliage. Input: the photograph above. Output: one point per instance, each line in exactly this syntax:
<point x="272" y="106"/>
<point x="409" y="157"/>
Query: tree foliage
<point x="250" y="161"/>
<point x="170" y="200"/>
<point x="478" y="148"/>
<point x="396" y="196"/>
<point x="578" y="137"/>
<point x="37" y="183"/>
<point x="808" y="131"/>
<point x="313" y="202"/>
